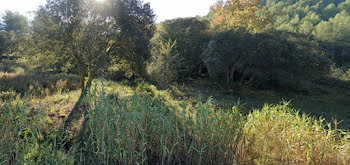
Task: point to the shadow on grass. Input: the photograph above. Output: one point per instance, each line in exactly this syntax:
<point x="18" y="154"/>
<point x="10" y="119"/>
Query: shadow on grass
<point x="330" y="99"/>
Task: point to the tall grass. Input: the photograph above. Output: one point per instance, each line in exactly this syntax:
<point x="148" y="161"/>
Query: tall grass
<point x="38" y="84"/>
<point x="281" y="135"/>
<point x="145" y="130"/>
<point x="21" y="138"/>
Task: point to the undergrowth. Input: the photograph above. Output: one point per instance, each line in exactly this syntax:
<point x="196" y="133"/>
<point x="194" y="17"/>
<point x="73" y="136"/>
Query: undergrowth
<point x="144" y="129"/>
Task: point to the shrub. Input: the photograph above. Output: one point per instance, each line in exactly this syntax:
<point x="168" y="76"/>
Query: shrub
<point x="190" y="34"/>
<point x="260" y="60"/>
<point x="163" y="65"/>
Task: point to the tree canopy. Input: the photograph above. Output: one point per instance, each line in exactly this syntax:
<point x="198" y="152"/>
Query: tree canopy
<point x="15" y="22"/>
<point x="233" y="14"/>
<point x="89" y="34"/>
<point x="13" y="28"/>
<point x="190" y="35"/>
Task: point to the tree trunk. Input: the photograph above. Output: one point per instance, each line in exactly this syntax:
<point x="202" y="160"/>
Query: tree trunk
<point x="333" y="52"/>
<point x="80" y="108"/>
<point x="229" y="75"/>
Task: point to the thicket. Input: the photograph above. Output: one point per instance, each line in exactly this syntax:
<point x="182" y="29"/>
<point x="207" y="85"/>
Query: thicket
<point x="196" y="44"/>
<point x="163" y="66"/>
<point x="190" y="34"/>
<point x="262" y="59"/>
<point x="261" y="52"/>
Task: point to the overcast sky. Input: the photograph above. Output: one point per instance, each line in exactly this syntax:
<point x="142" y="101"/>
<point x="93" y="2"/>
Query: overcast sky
<point x="164" y="9"/>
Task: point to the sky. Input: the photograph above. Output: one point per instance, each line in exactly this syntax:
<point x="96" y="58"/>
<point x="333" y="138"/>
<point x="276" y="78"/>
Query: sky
<point x="164" y="9"/>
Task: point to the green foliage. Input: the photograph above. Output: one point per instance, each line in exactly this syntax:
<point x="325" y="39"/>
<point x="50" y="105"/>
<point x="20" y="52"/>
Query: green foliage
<point x="323" y="20"/>
<point x="147" y="89"/>
<point x="136" y="21"/>
<point x="335" y="33"/>
<point x="190" y="35"/>
<point x="22" y="140"/>
<point x="334" y="30"/>
<point x="341" y="74"/>
<point x="15" y="22"/>
<point x="144" y="130"/>
<point x="90" y="36"/>
<point x="260" y="60"/>
<point x="4" y="42"/>
<point x="13" y="30"/>
<point x="164" y="63"/>
<point x="281" y="135"/>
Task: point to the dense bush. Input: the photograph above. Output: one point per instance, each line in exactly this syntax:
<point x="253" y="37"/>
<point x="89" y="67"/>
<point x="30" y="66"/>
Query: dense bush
<point x="163" y="66"/>
<point x="258" y="59"/>
<point x="190" y="35"/>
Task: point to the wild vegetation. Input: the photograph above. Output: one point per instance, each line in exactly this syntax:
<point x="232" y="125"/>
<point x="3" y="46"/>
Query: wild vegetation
<point x="253" y="82"/>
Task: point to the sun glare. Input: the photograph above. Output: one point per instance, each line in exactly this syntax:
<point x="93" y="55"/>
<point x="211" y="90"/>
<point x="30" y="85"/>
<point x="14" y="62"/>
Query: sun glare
<point x="99" y="0"/>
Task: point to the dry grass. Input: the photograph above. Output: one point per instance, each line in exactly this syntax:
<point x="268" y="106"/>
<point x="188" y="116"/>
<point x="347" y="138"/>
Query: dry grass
<point x="38" y="84"/>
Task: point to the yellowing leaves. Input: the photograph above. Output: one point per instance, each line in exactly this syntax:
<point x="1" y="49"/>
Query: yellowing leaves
<point x="235" y="14"/>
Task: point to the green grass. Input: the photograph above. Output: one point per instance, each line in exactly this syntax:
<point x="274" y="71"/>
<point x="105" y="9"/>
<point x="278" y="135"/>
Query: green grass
<point x="278" y="134"/>
<point x="196" y="123"/>
<point x="146" y="129"/>
<point x="332" y="105"/>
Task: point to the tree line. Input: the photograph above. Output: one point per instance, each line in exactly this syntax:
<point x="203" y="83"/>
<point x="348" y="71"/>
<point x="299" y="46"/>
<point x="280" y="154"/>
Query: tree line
<point x="255" y="43"/>
<point x="262" y="43"/>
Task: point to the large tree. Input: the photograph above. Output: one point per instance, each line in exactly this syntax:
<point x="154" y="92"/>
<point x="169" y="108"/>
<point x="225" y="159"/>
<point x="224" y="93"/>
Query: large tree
<point x="13" y="29"/>
<point x="15" y="22"/>
<point x="190" y="35"/>
<point x="232" y="14"/>
<point x="335" y="32"/>
<point x="89" y="34"/>
<point x="262" y="60"/>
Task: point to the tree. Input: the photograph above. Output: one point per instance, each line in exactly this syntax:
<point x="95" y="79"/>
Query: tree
<point x="190" y="35"/>
<point x="306" y="28"/>
<point x="344" y="6"/>
<point x="3" y="42"/>
<point x="329" y="11"/>
<point x="164" y="63"/>
<point x="15" y="22"/>
<point x="261" y="60"/>
<point x="233" y="14"/>
<point x="336" y="31"/>
<point x="12" y="30"/>
<point x="90" y="34"/>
